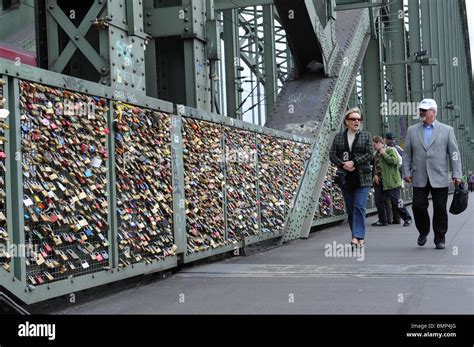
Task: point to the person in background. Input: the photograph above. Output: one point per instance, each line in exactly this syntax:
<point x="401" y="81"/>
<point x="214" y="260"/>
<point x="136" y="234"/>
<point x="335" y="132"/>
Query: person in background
<point x="387" y="181"/>
<point x="393" y="216"/>
<point x="352" y="153"/>
<point x="430" y="148"/>
<point x="470" y="181"/>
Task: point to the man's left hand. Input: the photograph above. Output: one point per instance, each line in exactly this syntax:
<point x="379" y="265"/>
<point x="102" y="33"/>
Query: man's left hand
<point x="457" y="181"/>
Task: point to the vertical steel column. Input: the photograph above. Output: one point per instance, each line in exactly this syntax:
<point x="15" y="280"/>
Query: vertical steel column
<point x="395" y="41"/>
<point x="257" y="59"/>
<point x="466" y="87"/>
<point x="458" y="53"/>
<point x="15" y="179"/>
<point x="177" y="167"/>
<point x="195" y="62"/>
<point x="269" y="60"/>
<point x="225" y="206"/>
<point x="435" y="49"/>
<point x="232" y="62"/>
<point x="426" y="44"/>
<point x="454" y="63"/>
<point x="52" y="34"/>
<point x="8" y="145"/>
<point x="112" y="191"/>
<point x="151" y="79"/>
<point x="371" y="87"/>
<point x="213" y="31"/>
<point x="416" y="79"/>
<point x="442" y="61"/>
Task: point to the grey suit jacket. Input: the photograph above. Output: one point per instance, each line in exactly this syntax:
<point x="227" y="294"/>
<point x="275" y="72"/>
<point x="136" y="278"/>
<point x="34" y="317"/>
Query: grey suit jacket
<point x="431" y="161"/>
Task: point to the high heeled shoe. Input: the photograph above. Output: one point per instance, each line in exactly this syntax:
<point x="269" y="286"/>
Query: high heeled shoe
<point x="354" y="243"/>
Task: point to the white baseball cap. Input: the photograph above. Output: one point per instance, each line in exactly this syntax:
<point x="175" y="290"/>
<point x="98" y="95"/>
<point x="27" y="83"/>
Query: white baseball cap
<point x="427" y="104"/>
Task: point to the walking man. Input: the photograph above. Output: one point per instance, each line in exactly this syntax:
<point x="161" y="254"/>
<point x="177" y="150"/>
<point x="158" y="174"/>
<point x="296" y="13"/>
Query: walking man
<point x="392" y="211"/>
<point x="387" y="181"/>
<point x="430" y="148"/>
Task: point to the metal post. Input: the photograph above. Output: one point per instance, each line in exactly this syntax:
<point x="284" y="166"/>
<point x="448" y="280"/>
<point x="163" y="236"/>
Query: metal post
<point x="177" y="169"/>
<point x="415" y="46"/>
<point x="397" y="73"/>
<point x="232" y="62"/>
<point x="15" y="180"/>
<point x="371" y="89"/>
<point x="258" y="75"/>
<point x="269" y="60"/>
<point x="112" y="192"/>
<point x="426" y="27"/>
<point x="150" y="57"/>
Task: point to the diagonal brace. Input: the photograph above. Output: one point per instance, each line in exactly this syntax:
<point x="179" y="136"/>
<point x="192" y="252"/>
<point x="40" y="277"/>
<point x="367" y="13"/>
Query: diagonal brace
<point x="77" y="39"/>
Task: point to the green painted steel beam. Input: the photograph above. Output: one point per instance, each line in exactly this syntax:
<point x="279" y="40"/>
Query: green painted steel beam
<point x="426" y="27"/>
<point x="395" y="43"/>
<point x="177" y="165"/>
<point x="269" y="60"/>
<point x="127" y="53"/>
<point x="300" y="218"/>
<point x="416" y="80"/>
<point x="133" y="17"/>
<point x="232" y="62"/>
<point x="57" y="80"/>
<point x="112" y="194"/>
<point x="150" y="55"/>
<point x="168" y="21"/>
<point x="235" y="4"/>
<point x="355" y="5"/>
<point x="16" y="179"/>
<point x="77" y="38"/>
<point x="60" y="63"/>
<point x="371" y="87"/>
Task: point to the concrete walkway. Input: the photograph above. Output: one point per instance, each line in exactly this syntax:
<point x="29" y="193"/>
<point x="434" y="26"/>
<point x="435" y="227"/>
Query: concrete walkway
<point x="392" y="276"/>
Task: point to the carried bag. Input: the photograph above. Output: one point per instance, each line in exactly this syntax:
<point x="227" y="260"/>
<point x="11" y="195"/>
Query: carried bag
<point x="460" y="199"/>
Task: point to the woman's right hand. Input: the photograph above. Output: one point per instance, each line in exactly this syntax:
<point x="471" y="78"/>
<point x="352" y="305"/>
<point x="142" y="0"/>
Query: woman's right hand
<point x="376" y="180"/>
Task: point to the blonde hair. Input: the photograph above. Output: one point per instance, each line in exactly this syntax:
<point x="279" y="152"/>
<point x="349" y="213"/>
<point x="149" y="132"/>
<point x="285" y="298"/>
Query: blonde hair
<point x="350" y="111"/>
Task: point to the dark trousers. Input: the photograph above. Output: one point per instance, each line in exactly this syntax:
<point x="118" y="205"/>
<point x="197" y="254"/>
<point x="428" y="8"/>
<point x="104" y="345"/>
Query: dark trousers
<point x="394" y="197"/>
<point x="440" y="213"/>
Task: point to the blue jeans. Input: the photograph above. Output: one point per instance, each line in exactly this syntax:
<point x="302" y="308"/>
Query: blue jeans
<point x="356" y="203"/>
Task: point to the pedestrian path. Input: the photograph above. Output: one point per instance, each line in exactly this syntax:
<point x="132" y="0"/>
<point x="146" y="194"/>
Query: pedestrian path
<point x="319" y="276"/>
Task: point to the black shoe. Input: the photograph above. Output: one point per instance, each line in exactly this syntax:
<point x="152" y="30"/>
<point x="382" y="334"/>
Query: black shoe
<point x="440" y="245"/>
<point x="407" y="223"/>
<point x="396" y="222"/>
<point x="421" y="240"/>
<point x="379" y="224"/>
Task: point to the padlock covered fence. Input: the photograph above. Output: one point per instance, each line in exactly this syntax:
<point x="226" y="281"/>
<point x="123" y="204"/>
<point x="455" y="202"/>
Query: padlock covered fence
<point x="100" y="184"/>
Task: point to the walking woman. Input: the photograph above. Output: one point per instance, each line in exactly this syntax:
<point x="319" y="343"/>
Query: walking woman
<point x="352" y="153"/>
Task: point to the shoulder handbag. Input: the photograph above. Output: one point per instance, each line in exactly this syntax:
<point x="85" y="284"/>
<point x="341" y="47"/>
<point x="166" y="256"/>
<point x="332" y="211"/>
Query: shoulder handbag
<point x="460" y="199"/>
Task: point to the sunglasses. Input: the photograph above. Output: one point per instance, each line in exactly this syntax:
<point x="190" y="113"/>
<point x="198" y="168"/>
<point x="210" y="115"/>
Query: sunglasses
<point x="423" y="111"/>
<point x="355" y="119"/>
